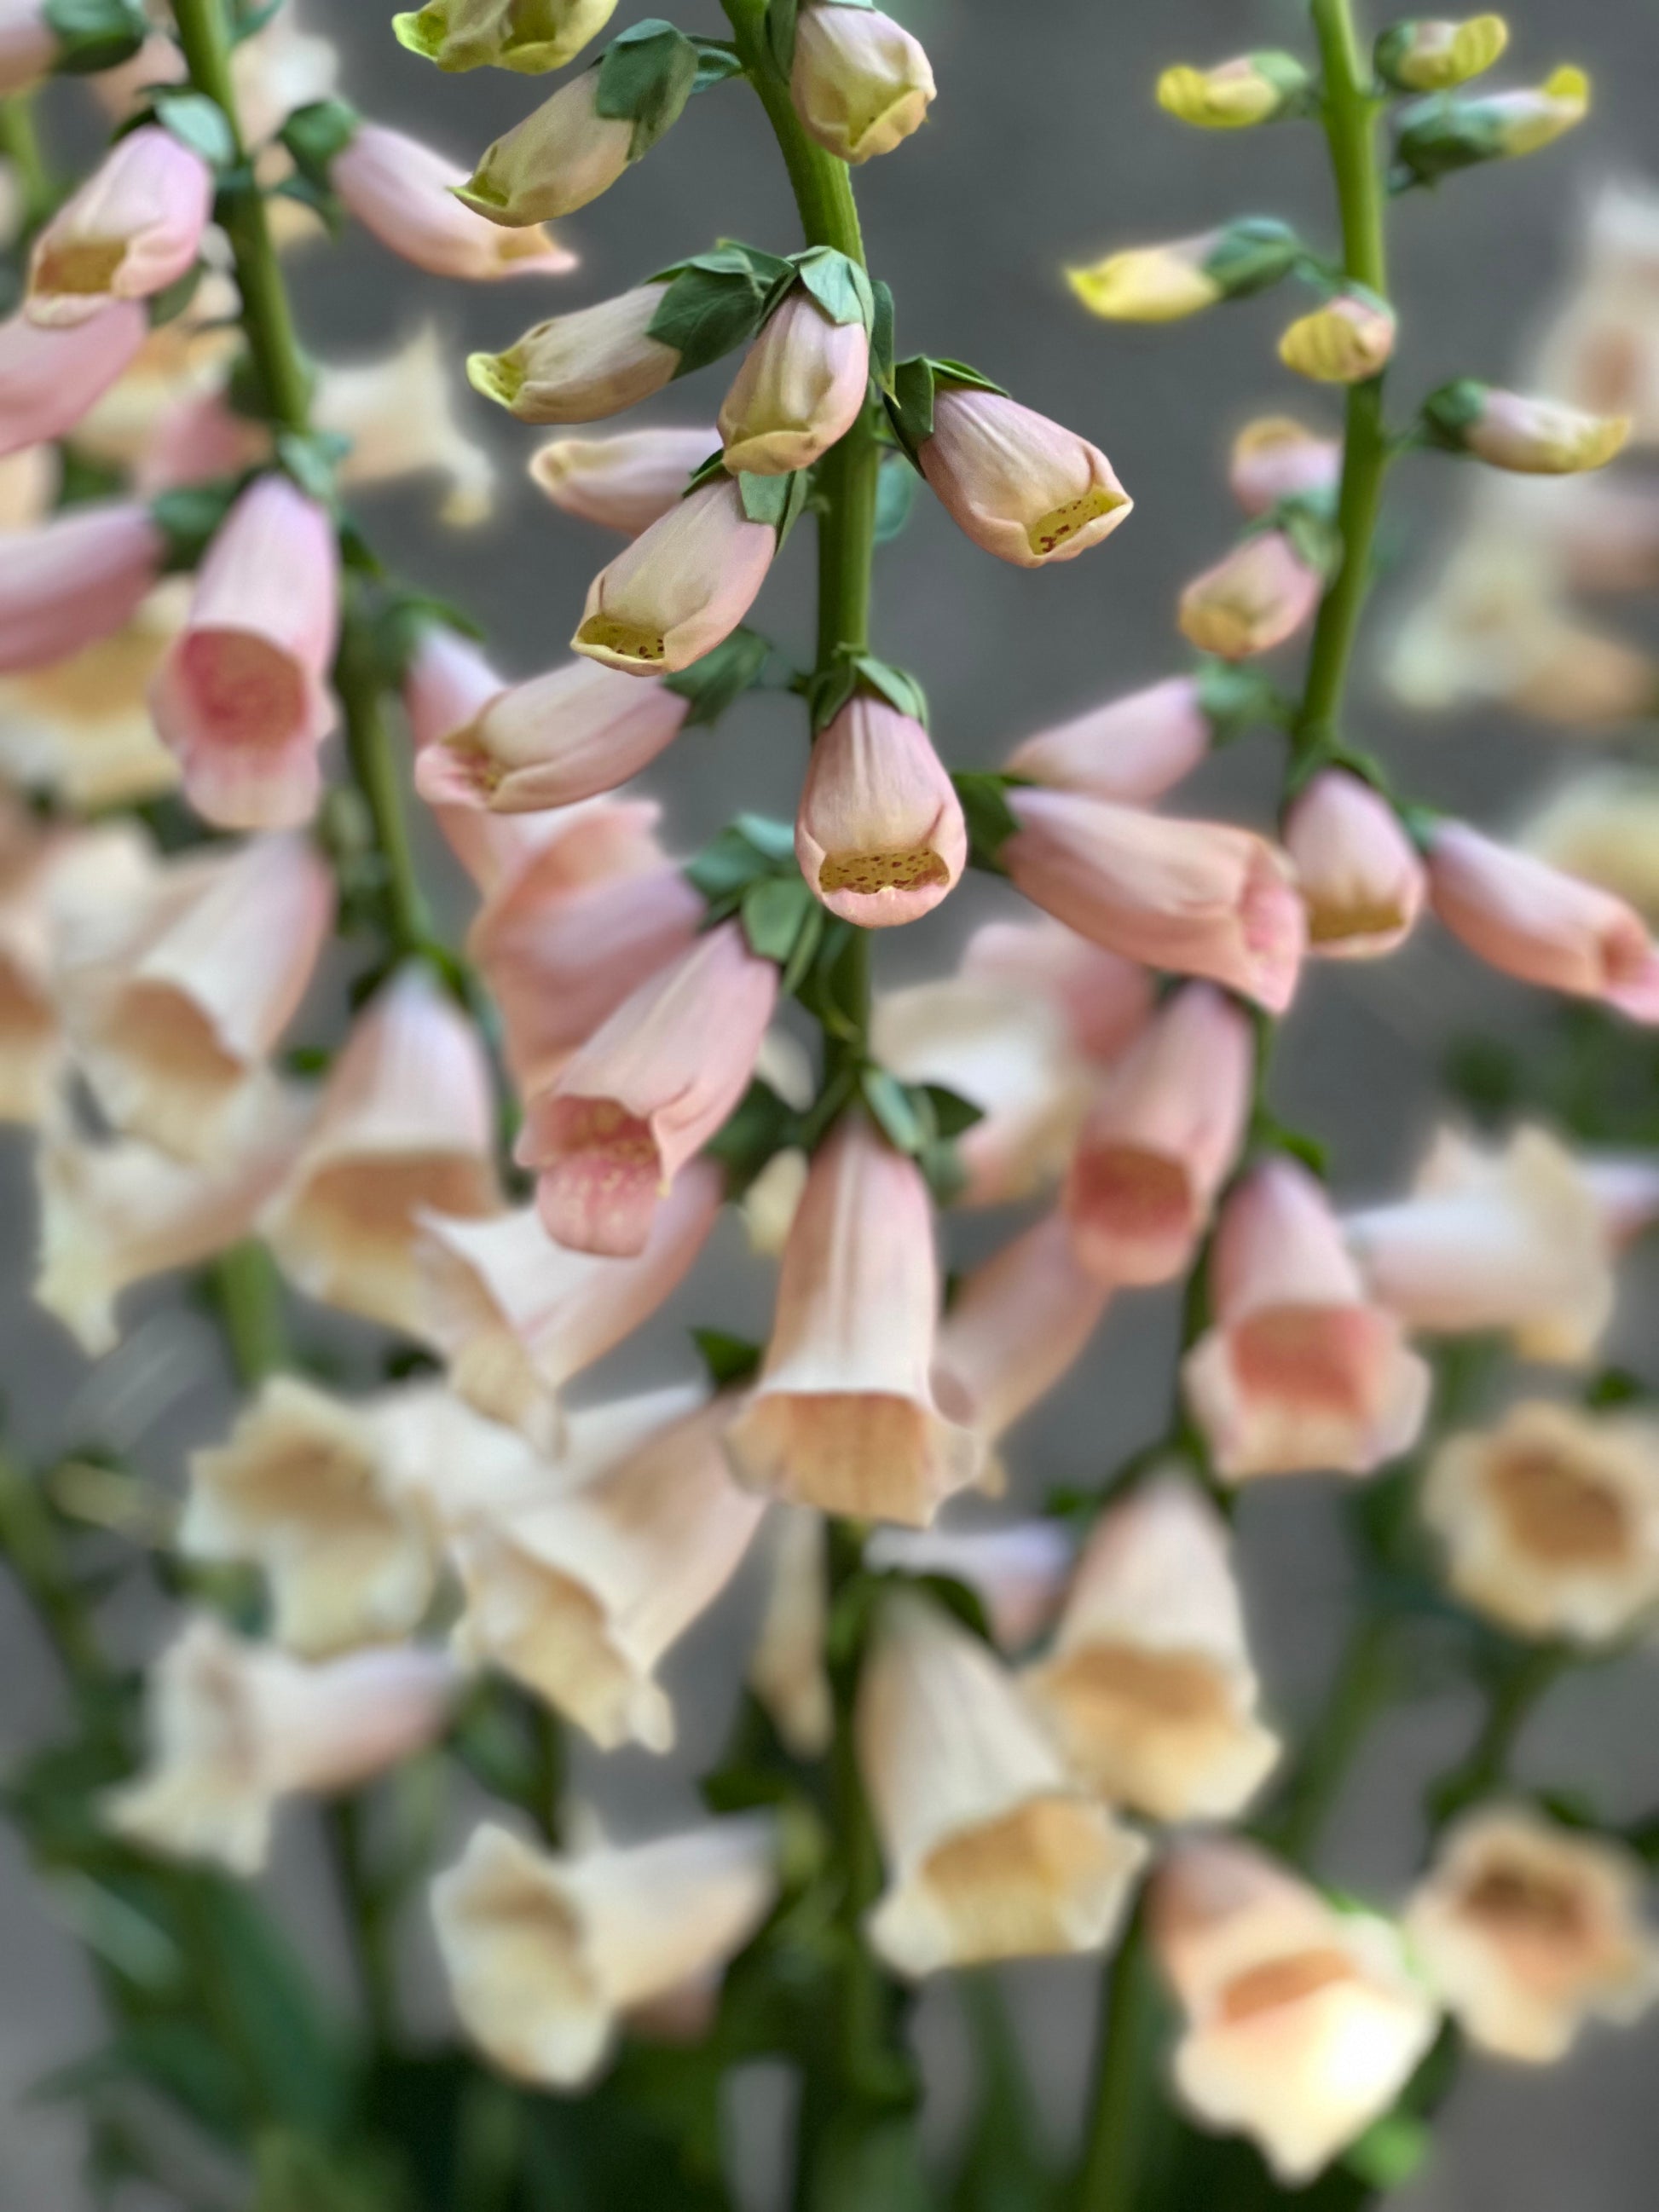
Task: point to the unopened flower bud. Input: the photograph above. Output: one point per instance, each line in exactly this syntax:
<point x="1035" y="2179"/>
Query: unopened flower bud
<point x="680" y="587"/>
<point x="625" y="483"/>
<point x="558" y="159"/>
<point x="1021" y="486"/>
<point x="880" y="836"/>
<point x="530" y="36"/>
<point x="1133" y="748"/>
<point x="405" y="194"/>
<point x="1254" y="89"/>
<point x="1161" y="283"/>
<point x="1432" y="56"/>
<point x="1440" y="135"/>
<point x="1255" y="599"/>
<point x="799" y="390"/>
<point x="579" y="368"/>
<point x="579" y="730"/>
<point x="1277" y="457"/>
<point x="1347" y="340"/>
<point x="1360" y="877"/>
<point x="50" y="380"/>
<point x="861" y="83"/>
<point x="1530" y="437"/>
<point x="133" y="229"/>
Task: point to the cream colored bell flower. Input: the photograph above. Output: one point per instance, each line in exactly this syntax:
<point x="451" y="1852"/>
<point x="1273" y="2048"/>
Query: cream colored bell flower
<point x="626" y="482"/>
<point x="1528" y="1931"/>
<point x="799" y="388"/>
<point x="406" y="1127"/>
<point x="786" y="1671"/>
<point x="82" y="728"/>
<point x="990" y="1851"/>
<point x="301" y="1488"/>
<point x="861" y="83"/>
<point x="580" y="1596"/>
<point x="1604" y="826"/>
<point x="547" y="1957"/>
<point x="1017" y="1571"/>
<point x="1149" y="1689"/>
<point x="400" y="414"/>
<point x="1302" y="2023"/>
<point x="561" y="157"/>
<point x="236" y="1727"/>
<point x="1551" y="1520"/>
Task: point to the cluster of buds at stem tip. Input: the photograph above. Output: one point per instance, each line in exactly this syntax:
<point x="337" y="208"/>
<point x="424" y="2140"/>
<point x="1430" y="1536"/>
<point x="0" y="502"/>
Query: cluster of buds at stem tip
<point x="1527" y="436"/>
<point x="1444" y="133"/>
<point x="1161" y="283"/>
<point x="1346" y="341"/>
<point x="1257" y="87"/>
<point x="529" y="36"/>
<point x="860" y="82"/>
<point x="1432" y="56"/>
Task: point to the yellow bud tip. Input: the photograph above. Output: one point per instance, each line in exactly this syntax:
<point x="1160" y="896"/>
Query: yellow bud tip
<point x="1145" y="284"/>
<point x="1480" y="42"/>
<point x="1230" y="98"/>
<point x="422" y="31"/>
<point x="496" y="375"/>
<point x="1570" y="85"/>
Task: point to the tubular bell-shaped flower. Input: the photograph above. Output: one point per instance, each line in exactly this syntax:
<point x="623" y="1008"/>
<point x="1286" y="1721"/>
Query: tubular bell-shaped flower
<point x="624" y="483"/>
<point x="1298" y="1372"/>
<point x="133" y="229"/>
<point x="578" y="731"/>
<point x="1016" y="1325"/>
<point x="563" y="154"/>
<point x="51" y="380"/>
<point x="1018" y="1570"/>
<point x="879" y="832"/>
<point x="1359" y="876"/>
<point x="405" y="193"/>
<point x="1261" y="594"/>
<point x="682" y="586"/>
<point x="800" y="390"/>
<point x="1021" y="486"/>
<point x="1134" y="749"/>
<point x="1347" y="340"/>
<point x="992" y="1853"/>
<point x="845" y="1416"/>
<point x="861" y="83"/>
<point x="1149" y="1688"/>
<point x="74" y="580"/>
<point x="581" y="368"/>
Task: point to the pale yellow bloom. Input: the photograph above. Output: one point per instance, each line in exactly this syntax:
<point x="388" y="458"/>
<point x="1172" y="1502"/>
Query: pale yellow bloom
<point x="1149" y="283"/>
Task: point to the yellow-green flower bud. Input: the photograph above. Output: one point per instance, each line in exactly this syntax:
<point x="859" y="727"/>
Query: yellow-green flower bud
<point x="1430" y="55"/>
<point x="1443" y="133"/>
<point x="1529" y="437"/>
<point x="1347" y="340"/>
<point x="1233" y="95"/>
<point x="529" y="36"/>
<point x="1161" y="283"/>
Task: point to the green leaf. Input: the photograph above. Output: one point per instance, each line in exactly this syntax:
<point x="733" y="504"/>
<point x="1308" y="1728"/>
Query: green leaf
<point x="895" y="685"/>
<point x="777" y="499"/>
<point x="314" y="135"/>
<point x="744" y="850"/>
<point x="731" y="1361"/>
<point x="881" y="334"/>
<point x="909" y="398"/>
<point x="1450" y="410"/>
<point x="991" y="820"/>
<point x="718" y="62"/>
<point x="714" y="303"/>
<point x="645" y="78"/>
<point x="1235" y="699"/>
<point x="189" y="520"/>
<point x="896" y="496"/>
<point x="1252" y="254"/>
<point x="774" y="910"/>
<point x="96" y="34"/>
<point x="840" y="287"/>
<point x="894" y="1107"/>
<point x="199" y="122"/>
<point x="721" y="676"/>
<point x="953" y="1115"/>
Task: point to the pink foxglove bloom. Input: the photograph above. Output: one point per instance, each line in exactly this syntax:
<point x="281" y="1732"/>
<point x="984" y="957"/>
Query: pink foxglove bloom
<point x="50" y="380"/>
<point x="1541" y="437"/>
<point x="1021" y="486"/>
<point x="579" y="730"/>
<point x="1160" y="1139"/>
<point x="879" y="832"/>
<point x="624" y="483"/>
<point x="407" y="1124"/>
<point x="1134" y="748"/>
<point x="1346" y="341"/>
<point x="133" y="229"/>
<point x="682" y="586"/>
<point x="801" y="389"/>
<point x="1016" y="1323"/>
<point x="861" y="83"/>
<point x="236" y="1727"/>
<point x="28" y="45"/>
<point x="582" y="366"/>
<point x="1200" y="898"/>
<point x="1510" y="1236"/>
<point x="446" y="686"/>
<point x="405" y="193"/>
<point x="1149" y="1689"/>
<point x="243" y="696"/>
<point x="82" y="728"/>
<point x="1522" y="916"/>
<point x="1018" y="1570"/>
<point x="1261" y="594"/>
<point x="1105" y="1000"/>
<point x="646" y="1093"/>
<point x="1299" y="1372"/>
<point x="516" y="1316"/>
<point x="562" y="155"/>
<point x="75" y="579"/>
<point x="1358" y="873"/>
<point x="549" y="1959"/>
<point x="991" y="1851"/>
<point x="1304" y="2023"/>
<point x="1279" y="457"/>
<point x="846" y="1415"/>
<point x="175" y="993"/>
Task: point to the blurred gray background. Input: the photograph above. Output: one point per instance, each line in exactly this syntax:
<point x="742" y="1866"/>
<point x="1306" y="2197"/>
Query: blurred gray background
<point x="1044" y="147"/>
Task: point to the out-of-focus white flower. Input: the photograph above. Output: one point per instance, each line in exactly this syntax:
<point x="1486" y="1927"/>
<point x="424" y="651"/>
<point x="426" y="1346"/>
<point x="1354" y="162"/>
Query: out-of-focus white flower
<point x="399" y="413"/>
<point x="1018" y="1571"/>
<point x="82" y="728"/>
<point x="1604" y="827"/>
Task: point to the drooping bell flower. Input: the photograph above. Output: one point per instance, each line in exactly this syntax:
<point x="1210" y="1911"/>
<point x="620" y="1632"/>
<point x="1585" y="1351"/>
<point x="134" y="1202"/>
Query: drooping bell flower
<point x="405" y="193"/>
<point x="243" y="696"/>
<point x="1017" y="1570"/>
<point x="1016" y="1323"/>
<point x="991" y="1852"/>
<point x="1161" y="283"/>
<point x="133" y="229"/>
<point x="846" y="1416"/>
<point x="563" y="153"/>
<point x="581" y="367"/>
<point x="1437" y="135"/>
<point x="1023" y="487"/>
<point x="1277" y="457"/>
<point x="799" y="390"/>
<point x="82" y="728"/>
<point x="1298" y="1371"/>
<point x="859" y="82"/>
<point x="645" y="1094"/>
<point x="50" y="380"/>
<point x="680" y="588"/>
<point x="879" y="832"/>
<point x="1261" y="594"/>
<point x="1603" y="827"/>
<point x="74" y="580"/>
<point x="1134" y="749"/>
<point x="624" y="483"/>
<point x="1358" y="873"/>
<point x="578" y="731"/>
<point x="1528" y="436"/>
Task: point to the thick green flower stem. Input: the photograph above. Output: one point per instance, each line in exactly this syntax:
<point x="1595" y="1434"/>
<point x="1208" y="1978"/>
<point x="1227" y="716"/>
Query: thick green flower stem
<point x="375" y="771"/>
<point x="250" y="1298"/>
<point x="1364" y="1682"/>
<point x="1118" y="2152"/>
<point x="20" y="141"/>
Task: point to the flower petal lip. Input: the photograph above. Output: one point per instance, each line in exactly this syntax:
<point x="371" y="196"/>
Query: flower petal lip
<point x="581" y="367"/>
<point x="1021" y="486"/>
<point x="132" y="230"/>
<point x="879" y="832"/>
<point x="403" y="192"/>
<point x="681" y="587"/>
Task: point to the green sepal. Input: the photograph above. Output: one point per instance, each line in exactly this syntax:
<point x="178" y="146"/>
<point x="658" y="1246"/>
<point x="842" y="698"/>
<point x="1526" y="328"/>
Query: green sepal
<point x="782" y="17"/>
<point x="312" y="458"/>
<point x="721" y="676"/>
<point x="991" y="821"/>
<point x="165" y="306"/>
<point x="777" y="499"/>
<point x="1449" y="412"/>
<point x="1441" y="134"/>
<point x="896" y="496"/>
<point x="314" y="135"/>
<point x="250" y="17"/>
<point x="1233" y="699"/>
<point x="199" y="122"/>
<point x="921" y="1120"/>
<point x="96" y="34"/>
<point x="400" y="620"/>
<point x="730" y="1361"/>
<point x="718" y="63"/>
<point x="829" y="692"/>
<point x="1252" y="253"/>
<point x="881" y="333"/>
<point x="775" y="911"/>
<point x="894" y="1110"/>
<point x="189" y="521"/>
<point x="1314" y="536"/>
<point x="840" y="287"/>
<point x="1269" y="1137"/>
<point x="915" y="389"/>
<point x="1298" y="93"/>
<point x="1390" y="2151"/>
<point x="645" y="77"/>
<point x="745" y="850"/>
<point x="714" y="302"/>
<point x="1421" y="823"/>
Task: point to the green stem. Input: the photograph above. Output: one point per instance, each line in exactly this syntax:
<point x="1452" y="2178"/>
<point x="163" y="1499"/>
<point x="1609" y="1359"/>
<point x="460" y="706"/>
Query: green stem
<point x="20" y="141"/>
<point x="1117" y="2153"/>
<point x="1362" y="1685"/>
<point x="374" y="769"/>
<point x="366" y="1918"/>
<point x="250" y="1303"/>
<point x="1511" y="1698"/>
<point x="29" y="1541"/>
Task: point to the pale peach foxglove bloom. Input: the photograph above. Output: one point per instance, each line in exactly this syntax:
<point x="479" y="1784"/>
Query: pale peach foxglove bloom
<point x="1302" y="2023"/>
<point x="1540" y="437"/>
<point x="991" y="1852"/>
<point x="200" y="438"/>
<point x="75" y="579"/>
<point x="51" y="380"/>
<point x="771" y="1202"/>
<point x="582" y="366"/>
<point x="578" y="731"/>
<point x="1348" y="340"/>
<point x="1550" y="1522"/>
<point x="800" y="391"/>
<point x="547" y="1957"/>
<point x="1016" y="1323"/>
<point x="1021" y="486"/>
<point x="400" y="415"/>
<point x="1018" y="1570"/>
<point x="1603" y="827"/>
<point x="564" y="154"/>
<point x="879" y="832"/>
<point x="680" y="588"/>
<point x="1277" y="457"/>
<point x="1503" y="1237"/>
<point x="134" y="227"/>
<point x="846" y="1416"/>
<point x="82" y="728"/>
<point x="1160" y="1139"/>
<point x="113" y="1214"/>
<point x="581" y="1594"/>
<point x="1261" y="594"/>
<point x="1518" y="914"/>
<point x="1149" y="1688"/>
<point x="1135" y="748"/>
<point x="786" y="1670"/>
<point x="624" y="483"/>
<point x="1358" y="873"/>
<point x="861" y="83"/>
<point x="530" y="36"/>
<point x="41" y="869"/>
<point x="1527" y="1931"/>
<point x="301" y="1488"/>
<point x="446" y="685"/>
<point x="1299" y="1372"/>
<point x="174" y="995"/>
<point x="243" y="696"/>
<point x="405" y="193"/>
<point x="646" y="1092"/>
<point x="235" y="1726"/>
<point x="407" y="1124"/>
<point x="516" y="1316"/>
<point x="1104" y="999"/>
<point x="1200" y="898"/>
